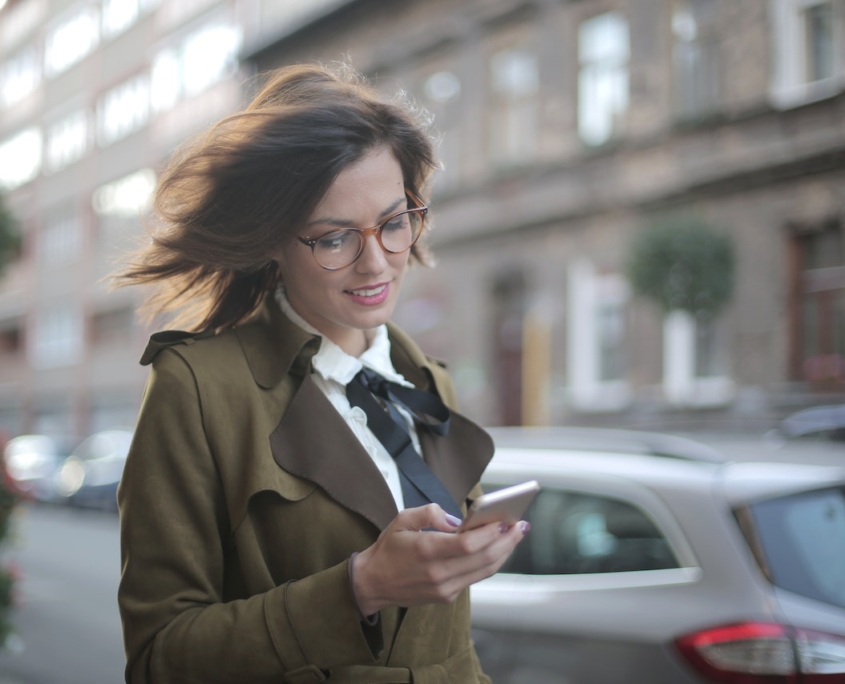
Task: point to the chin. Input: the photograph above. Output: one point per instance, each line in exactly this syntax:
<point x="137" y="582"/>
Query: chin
<point x="374" y="319"/>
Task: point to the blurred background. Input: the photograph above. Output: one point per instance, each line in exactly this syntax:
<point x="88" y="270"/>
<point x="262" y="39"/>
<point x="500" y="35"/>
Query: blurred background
<point x="638" y="223"/>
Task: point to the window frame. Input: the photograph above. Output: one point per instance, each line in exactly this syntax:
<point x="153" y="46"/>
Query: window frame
<point x="789" y="86"/>
<point x="594" y="70"/>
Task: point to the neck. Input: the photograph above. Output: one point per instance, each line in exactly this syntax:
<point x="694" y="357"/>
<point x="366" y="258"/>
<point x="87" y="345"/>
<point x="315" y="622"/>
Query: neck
<point x="355" y="343"/>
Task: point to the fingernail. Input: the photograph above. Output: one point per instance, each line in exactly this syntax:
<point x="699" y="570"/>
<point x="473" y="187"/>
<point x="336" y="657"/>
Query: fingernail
<point x="525" y="526"/>
<point x="504" y="527"/>
<point x="452" y="520"/>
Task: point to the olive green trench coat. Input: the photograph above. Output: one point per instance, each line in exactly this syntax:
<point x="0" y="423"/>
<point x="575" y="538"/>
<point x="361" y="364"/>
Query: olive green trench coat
<point x="244" y="495"/>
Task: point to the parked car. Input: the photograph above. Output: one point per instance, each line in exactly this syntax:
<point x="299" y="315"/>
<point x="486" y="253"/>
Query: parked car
<point x="32" y="462"/>
<point x="652" y="560"/>
<point x="90" y="475"/>
<point x="816" y="422"/>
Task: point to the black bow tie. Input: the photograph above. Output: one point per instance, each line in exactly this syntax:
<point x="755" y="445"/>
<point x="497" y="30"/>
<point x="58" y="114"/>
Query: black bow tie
<point x="420" y="486"/>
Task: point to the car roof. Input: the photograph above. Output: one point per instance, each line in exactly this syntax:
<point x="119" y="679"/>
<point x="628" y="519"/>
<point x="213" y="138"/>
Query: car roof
<point x="606" y="440"/>
<point x="594" y="454"/>
<point x="814" y="419"/>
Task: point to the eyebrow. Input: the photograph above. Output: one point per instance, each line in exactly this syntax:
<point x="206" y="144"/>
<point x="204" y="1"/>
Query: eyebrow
<point x="328" y="220"/>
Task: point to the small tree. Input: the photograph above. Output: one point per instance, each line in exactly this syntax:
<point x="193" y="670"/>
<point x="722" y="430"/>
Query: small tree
<point x="10" y="241"/>
<point x="682" y="263"/>
<point x="9" y="250"/>
<point x="8" y="575"/>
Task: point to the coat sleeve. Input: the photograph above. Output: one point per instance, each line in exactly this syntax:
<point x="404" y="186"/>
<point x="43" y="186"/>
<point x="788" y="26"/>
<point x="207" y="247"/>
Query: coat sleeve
<point x="174" y="538"/>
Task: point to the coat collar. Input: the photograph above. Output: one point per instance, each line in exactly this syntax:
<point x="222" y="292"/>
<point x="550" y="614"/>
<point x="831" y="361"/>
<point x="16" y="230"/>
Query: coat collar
<point x="275" y="346"/>
<point x="313" y="442"/>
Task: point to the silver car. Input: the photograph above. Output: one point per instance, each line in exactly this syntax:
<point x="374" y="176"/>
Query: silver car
<point x="652" y="560"/>
<point x="32" y="461"/>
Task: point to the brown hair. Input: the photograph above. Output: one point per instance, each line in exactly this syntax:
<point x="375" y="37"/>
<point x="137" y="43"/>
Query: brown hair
<point x="231" y="198"/>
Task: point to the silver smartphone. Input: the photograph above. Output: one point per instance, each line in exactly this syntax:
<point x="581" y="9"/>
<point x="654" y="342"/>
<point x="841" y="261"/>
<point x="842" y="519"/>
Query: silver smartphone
<point x="504" y="505"/>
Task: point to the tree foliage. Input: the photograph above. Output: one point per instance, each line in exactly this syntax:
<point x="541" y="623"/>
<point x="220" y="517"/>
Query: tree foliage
<point x="9" y="497"/>
<point x="681" y="262"/>
<point x="10" y="241"/>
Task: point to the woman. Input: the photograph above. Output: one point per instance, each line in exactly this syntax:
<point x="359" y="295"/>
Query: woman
<point x="268" y="533"/>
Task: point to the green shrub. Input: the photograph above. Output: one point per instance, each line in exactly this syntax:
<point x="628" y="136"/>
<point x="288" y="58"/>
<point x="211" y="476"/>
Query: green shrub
<point x="681" y="262"/>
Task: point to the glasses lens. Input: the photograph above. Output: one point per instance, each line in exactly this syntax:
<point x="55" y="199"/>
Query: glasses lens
<point x="337" y="249"/>
<point x="400" y="232"/>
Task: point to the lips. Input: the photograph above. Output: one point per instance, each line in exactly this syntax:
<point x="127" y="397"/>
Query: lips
<point x="370" y="294"/>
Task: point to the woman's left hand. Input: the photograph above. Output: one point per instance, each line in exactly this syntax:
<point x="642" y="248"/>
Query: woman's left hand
<point x="407" y="567"/>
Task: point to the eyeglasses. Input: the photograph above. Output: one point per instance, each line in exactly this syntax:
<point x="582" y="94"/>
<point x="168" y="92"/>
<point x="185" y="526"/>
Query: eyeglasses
<point x="395" y="234"/>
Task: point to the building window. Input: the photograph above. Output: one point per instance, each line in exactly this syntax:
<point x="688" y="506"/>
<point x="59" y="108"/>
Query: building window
<point x="603" y="56"/>
<point x="695" y="57"/>
<point x="819" y="52"/>
<point x="123" y="110"/>
<point x="126" y="197"/>
<point x="515" y="82"/>
<point x="710" y="347"/>
<point x="612" y="291"/>
<point x="596" y="305"/>
<point x="695" y="360"/>
<point x="71" y="40"/>
<point x="442" y="87"/>
<point x="19" y="76"/>
<point x="118" y="15"/>
<point x="61" y="238"/>
<point x="205" y="57"/>
<point x="819" y="308"/>
<point x="808" y="40"/>
<point x="441" y="91"/>
<point x="165" y="81"/>
<point x="67" y="141"/>
<point x="58" y="337"/>
<point x="112" y="327"/>
<point x="20" y="158"/>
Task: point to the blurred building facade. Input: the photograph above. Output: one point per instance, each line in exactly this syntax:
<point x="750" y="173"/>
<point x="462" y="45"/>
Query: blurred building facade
<point x="565" y="127"/>
<point x="94" y="97"/>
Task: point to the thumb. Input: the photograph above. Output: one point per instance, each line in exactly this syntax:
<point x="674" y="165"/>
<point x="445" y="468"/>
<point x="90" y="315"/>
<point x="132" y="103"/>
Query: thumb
<point x="427" y="517"/>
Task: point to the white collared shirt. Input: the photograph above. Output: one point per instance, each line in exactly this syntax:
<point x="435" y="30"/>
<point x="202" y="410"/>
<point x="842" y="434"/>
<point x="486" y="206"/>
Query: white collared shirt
<point x="334" y="369"/>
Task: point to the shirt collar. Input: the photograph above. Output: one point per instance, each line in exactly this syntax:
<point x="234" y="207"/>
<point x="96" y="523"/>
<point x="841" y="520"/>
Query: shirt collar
<point x="332" y="363"/>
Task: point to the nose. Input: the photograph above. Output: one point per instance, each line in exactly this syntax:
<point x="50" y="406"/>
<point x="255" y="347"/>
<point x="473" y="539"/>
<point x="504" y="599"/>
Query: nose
<point x="373" y="259"/>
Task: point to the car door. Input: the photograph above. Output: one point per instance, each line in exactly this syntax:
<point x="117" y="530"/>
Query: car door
<point x="581" y="599"/>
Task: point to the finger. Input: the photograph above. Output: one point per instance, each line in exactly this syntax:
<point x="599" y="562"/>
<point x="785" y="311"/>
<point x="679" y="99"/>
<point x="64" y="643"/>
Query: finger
<point x="477" y="538"/>
<point x="427" y="517"/>
<point x="483" y="553"/>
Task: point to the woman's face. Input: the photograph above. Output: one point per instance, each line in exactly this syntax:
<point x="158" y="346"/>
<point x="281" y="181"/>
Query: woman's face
<point x="345" y="303"/>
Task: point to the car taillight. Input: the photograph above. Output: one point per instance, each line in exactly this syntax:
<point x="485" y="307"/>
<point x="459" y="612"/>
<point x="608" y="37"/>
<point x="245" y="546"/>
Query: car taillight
<point x="821" y="657"/>
<point x="763" y="653"/>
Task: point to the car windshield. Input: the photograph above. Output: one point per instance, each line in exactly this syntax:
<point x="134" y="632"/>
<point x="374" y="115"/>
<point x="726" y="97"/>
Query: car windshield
<point x="803" y="540"/>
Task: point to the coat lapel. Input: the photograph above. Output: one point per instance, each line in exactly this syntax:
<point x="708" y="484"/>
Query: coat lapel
<point x="458" y="459"/>
<point x="312" y="441"/>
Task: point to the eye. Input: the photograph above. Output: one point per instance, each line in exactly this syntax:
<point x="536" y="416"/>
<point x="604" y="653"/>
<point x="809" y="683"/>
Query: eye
<point x="396" y="223"/>
<point x="336" y="241"/>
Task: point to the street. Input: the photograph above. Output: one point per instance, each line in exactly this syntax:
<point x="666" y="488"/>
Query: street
<point x="67" y="626"/>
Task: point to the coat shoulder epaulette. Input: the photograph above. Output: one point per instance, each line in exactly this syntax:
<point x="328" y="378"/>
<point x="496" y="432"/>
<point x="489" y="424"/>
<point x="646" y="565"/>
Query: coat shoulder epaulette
<point x="170" y="338"/>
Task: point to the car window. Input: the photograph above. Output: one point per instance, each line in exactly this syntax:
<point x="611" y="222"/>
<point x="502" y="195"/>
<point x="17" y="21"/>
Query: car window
<point x="580" y="533"/>
<point x="803" y="541"/>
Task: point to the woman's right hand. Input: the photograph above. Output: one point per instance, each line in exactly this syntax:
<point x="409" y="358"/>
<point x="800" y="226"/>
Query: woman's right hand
<point x="409" y="567"/>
